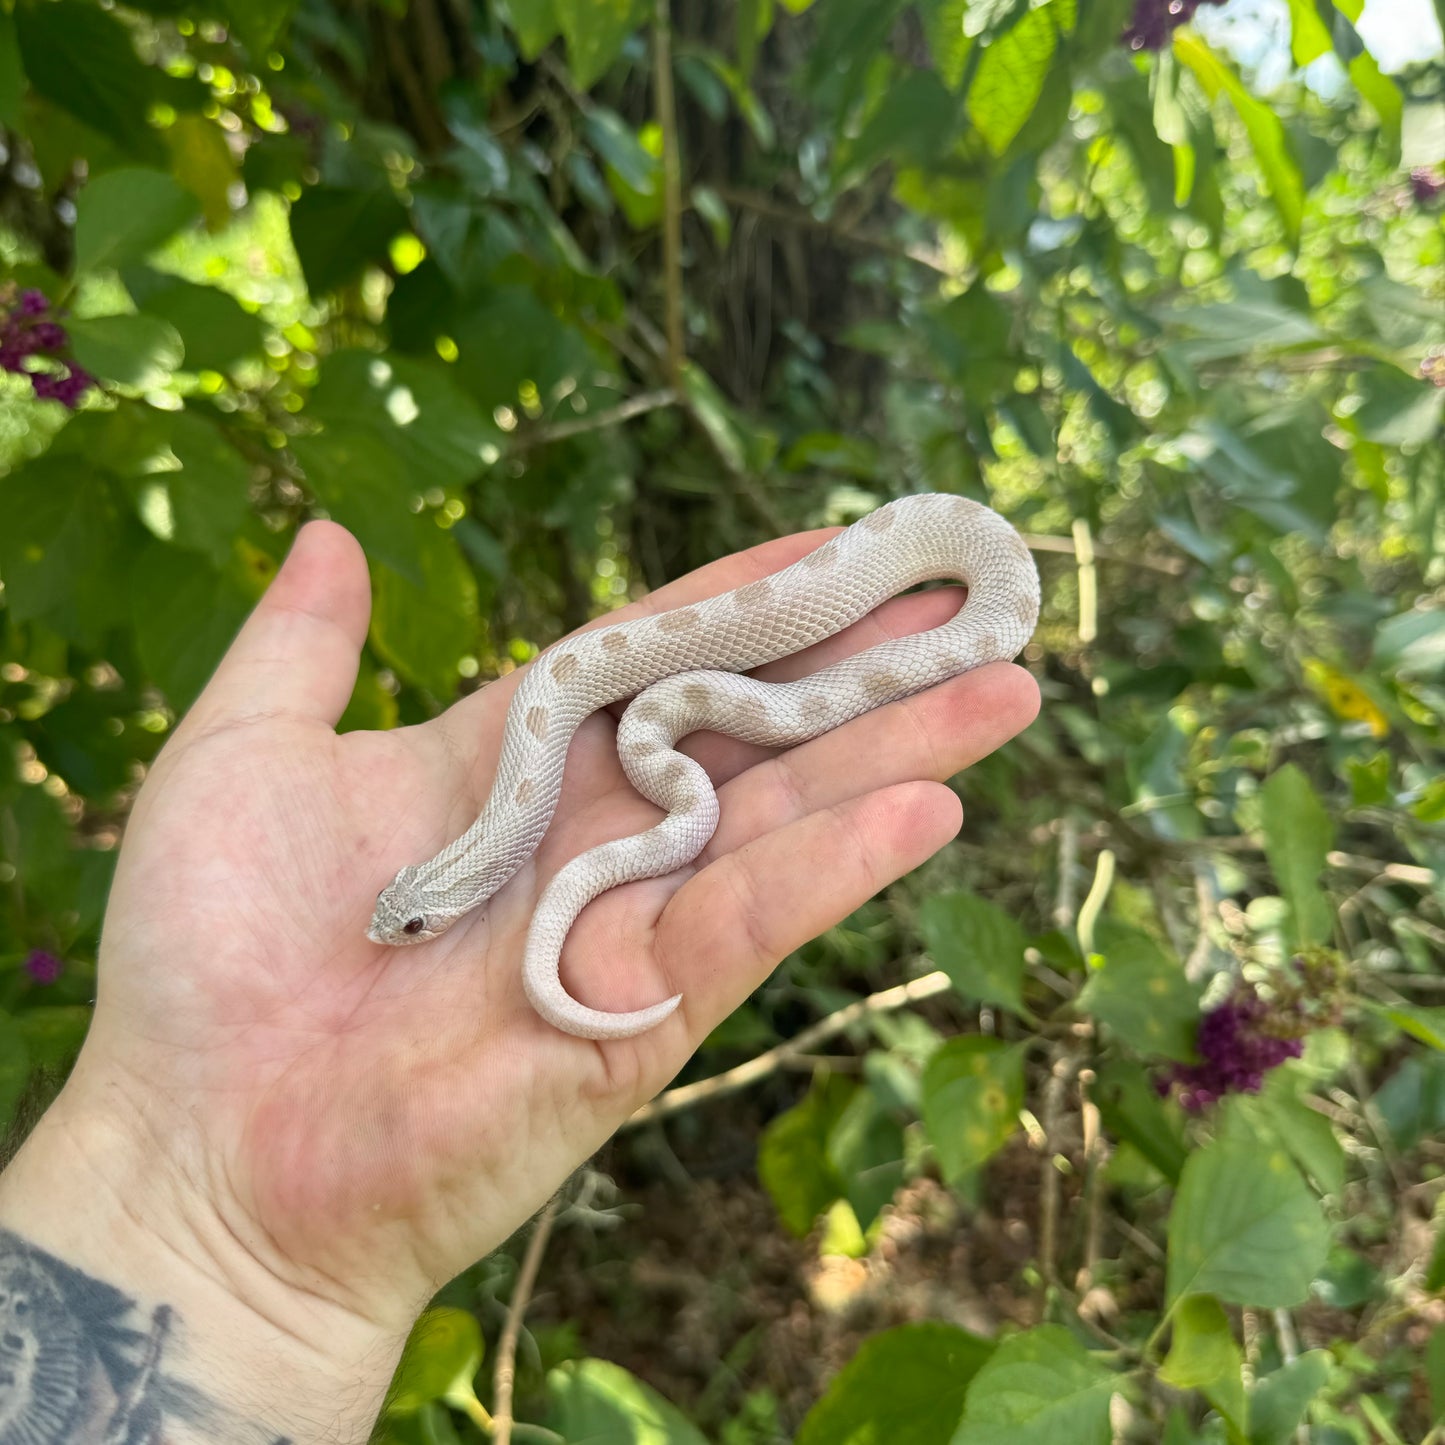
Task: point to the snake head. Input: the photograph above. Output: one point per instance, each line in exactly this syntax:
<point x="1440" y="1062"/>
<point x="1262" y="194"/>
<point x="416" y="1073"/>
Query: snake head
<point x="401" y="914"/>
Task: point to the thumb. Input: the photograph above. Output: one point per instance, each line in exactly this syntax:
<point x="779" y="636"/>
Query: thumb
<point x="299" y="651"/>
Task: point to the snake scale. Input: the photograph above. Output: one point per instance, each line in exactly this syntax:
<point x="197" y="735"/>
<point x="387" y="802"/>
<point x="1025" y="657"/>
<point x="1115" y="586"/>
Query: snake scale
<point x="681" y="670"/>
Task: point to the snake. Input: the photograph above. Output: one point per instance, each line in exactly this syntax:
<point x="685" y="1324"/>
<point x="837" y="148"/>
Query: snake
<point x="684" y="671"/>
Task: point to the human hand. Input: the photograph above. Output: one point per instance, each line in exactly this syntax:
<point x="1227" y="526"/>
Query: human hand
<point x="348" y="1125"/>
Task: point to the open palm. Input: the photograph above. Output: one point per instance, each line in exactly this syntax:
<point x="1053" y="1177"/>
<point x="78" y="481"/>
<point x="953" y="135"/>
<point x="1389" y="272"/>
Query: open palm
<point x="375" y="1118"/>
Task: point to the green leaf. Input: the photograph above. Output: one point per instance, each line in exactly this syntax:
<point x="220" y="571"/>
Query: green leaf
<point x="1223" y="329"/>
<point x="716" y="418"/>
<point x="865" y="1148"/>
<point x="61" y="548"/>
<point x="1298" y="834"/>
<point x="217" y="330"/>
<point x="1011" y="73"/>
<point x="185" y="614"/>
<point x="202" y="162"/>
<point x="973" y="1089"/>
<point x="367" y="489"/>
<point x="914" y="124"/>
<point x="594" y="1402"/>
<point x="136" y="351"/>
<point x="1398" y="409"/>
<point x="1141" y="993"/>
<point x="535" y="24"/>
<point x="1277" y="1404"/>
<point x="1265" y="129"/>
<point x="1204" y="1355"/>
<point x="12" y="76"/>
<point x="424" y="632"/>
<point x="122" y="216"/>
<point x="258" y="23"/>
<point x="442" y="1356"/>
<point x="14" y="1070"/>
<point x="1384" y="95"/>
<point x="1412" y="643"/>
<point x="1280" y="1116"/>
<point x="1244" y="1227"/>
<point x="978" y="945"/>
<point x="617" y="144"/>
<point x="1039" y="1388"/>
<point x="1425" y="1024"/>
<point x="80" y="57"/>
<point x="595" y="31"/>
<point x="1133" y="1112"/>
<point x="793" y="1163"/>
<point x="413" y="409"/>
<point x="905" y="1386"/>
<point x="54" y="1034"/>
<point x="339" y="233"/>
<point x="512" y="337"/>
<point x="210" y="496"/>
<point x="1203" y="1348"/>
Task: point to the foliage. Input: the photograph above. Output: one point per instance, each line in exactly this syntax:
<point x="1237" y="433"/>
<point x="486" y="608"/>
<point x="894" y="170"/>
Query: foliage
<point x="408" y="265"/>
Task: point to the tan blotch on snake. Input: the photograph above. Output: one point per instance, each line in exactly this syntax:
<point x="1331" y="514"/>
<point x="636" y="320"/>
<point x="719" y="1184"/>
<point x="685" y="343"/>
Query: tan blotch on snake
<point x="656" y="660"/>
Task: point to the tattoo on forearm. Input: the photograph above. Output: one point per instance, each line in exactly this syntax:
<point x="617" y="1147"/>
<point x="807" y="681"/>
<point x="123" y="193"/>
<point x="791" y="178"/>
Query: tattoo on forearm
<point x="81" y="1363"/>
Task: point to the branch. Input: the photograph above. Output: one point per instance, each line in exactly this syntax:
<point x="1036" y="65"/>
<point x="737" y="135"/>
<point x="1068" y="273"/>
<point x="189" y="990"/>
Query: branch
<point x="671" y="194"/>
<point x="674" y="1101"/>
<point x="559" y="431"/>
<point x="764" y="205"/>
<point x="506" y="1370"/>
<point x="1041" y="542"/>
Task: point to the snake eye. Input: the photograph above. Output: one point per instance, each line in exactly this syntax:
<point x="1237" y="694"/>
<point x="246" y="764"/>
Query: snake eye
<point x="414" y="926"/>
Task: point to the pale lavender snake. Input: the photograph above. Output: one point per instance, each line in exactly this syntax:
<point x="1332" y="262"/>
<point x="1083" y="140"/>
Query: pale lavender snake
<point x="681" y="667"/>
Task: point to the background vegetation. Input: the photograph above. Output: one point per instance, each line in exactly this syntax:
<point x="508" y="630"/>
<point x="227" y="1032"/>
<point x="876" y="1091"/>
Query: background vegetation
<point x="1120" y="1121"/>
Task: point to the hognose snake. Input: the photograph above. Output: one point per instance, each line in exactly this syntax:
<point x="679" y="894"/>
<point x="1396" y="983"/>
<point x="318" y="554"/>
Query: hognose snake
<point x="681" y="668"/>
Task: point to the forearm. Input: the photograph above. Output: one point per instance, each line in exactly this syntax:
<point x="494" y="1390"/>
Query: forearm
<point x="123" y="1319"/>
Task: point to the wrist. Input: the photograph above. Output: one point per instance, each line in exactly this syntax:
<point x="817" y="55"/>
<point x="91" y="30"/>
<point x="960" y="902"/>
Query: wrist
<point x="131" y="1251"/>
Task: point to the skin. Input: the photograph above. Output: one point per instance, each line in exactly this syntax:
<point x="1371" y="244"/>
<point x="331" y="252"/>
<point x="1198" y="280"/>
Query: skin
<point x="293" y="1134"/>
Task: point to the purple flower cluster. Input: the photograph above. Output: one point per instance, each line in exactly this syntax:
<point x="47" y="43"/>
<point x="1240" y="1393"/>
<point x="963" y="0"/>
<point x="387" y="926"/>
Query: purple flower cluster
<point x="43" y="967"/>
<point x="1238" y="1045"/>
<point x="28" y="329"/>
<point x="1426" y="184"/>
<point x="1154" y="21"/>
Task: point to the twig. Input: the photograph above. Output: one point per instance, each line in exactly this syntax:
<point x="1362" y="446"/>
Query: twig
<point x="1395" y="872"/>
<point x="674" y="1101"/>
<point x="1096" y="1154"/>
<point x="1088" y="580"/>
<point x="1094" y="902"/>
<point x="764" y="205"/>
<point x="1066" y="898"/>
<point x="614" y="416"/>
<point x="1204" y="905"/>
<point x="1061" y="1068"/>
<point x="671" y="192"/>
<point x="1043" y="542"/>
<point x="1418" y="926"/>
<point x="506" y="1371"/>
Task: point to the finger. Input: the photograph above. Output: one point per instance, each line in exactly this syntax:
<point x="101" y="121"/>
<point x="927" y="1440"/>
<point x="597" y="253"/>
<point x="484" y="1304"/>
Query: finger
<point x="731" y="924"/>
<point x="933" y="735"/>
<point x="299" y="650"/>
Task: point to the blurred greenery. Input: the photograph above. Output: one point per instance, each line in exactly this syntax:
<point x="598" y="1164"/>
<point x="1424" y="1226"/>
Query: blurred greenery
<point x="546" y="332"/>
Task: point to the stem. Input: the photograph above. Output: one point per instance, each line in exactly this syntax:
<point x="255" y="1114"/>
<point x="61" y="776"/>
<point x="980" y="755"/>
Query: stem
<point x="613" y="416"/>
<point x="506" y="1370"/>
<point x="674" y="1101"/>
<point x="1094" y="903"/>
<point x="671" y="193"/>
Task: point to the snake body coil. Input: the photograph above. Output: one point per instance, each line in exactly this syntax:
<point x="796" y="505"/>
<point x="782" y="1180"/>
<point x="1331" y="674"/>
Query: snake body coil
<point x="681" y="667"/>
